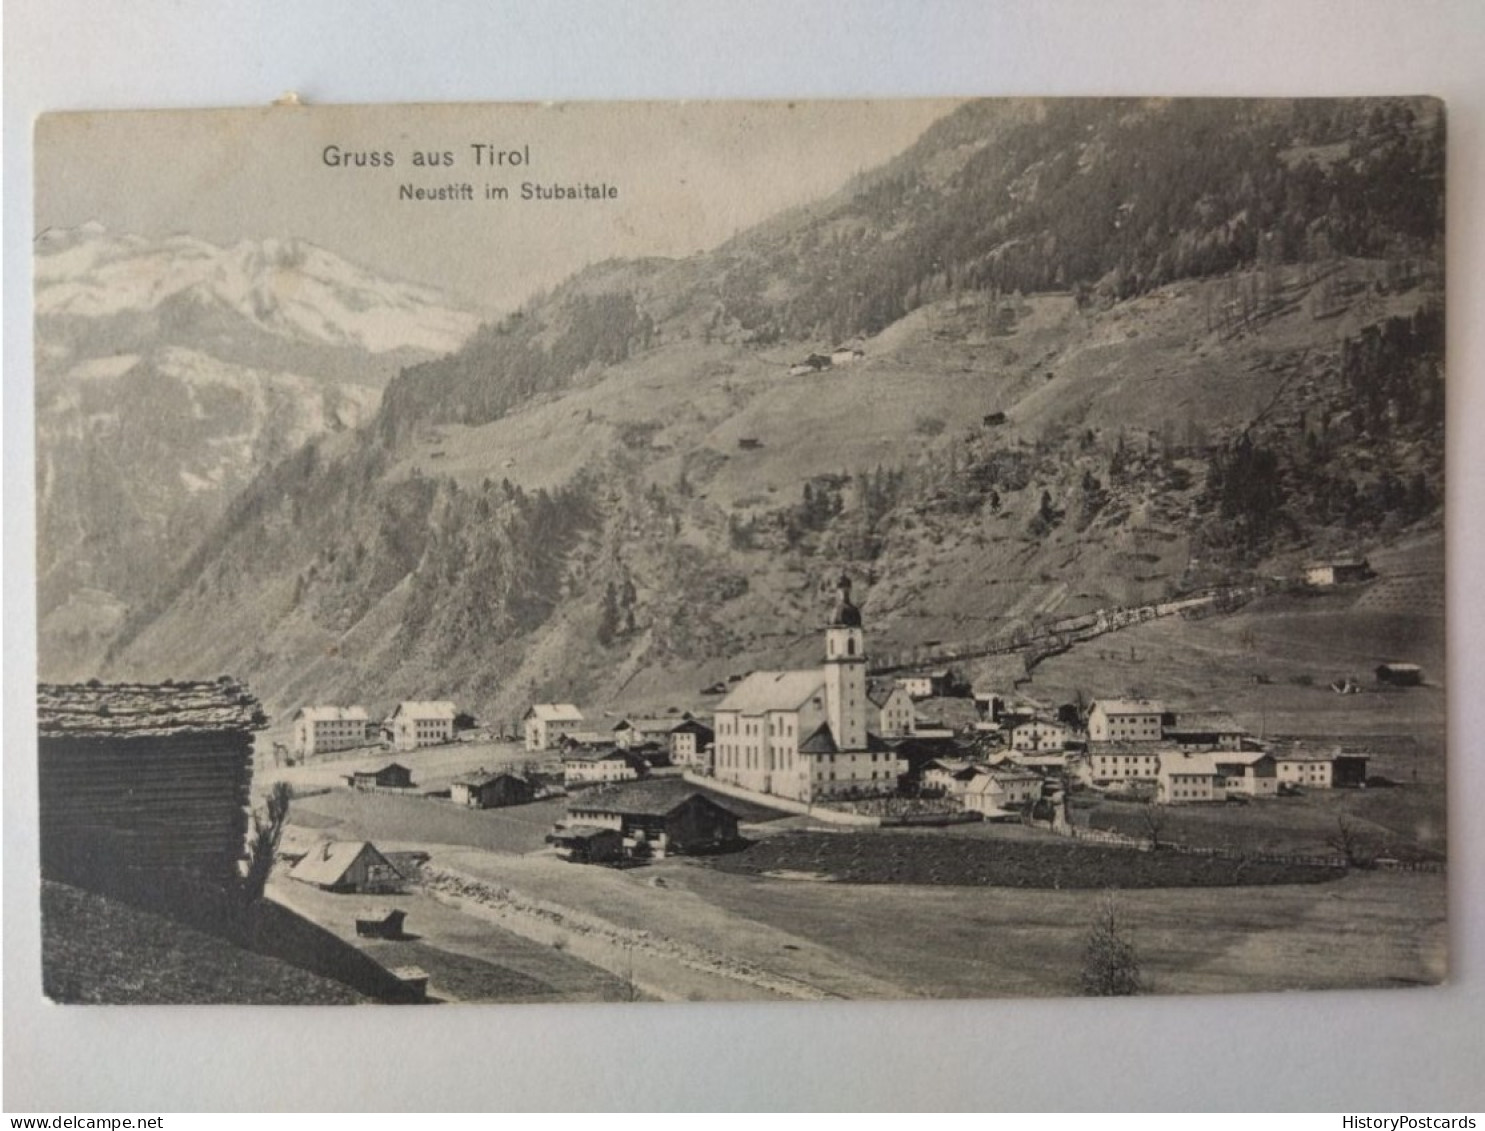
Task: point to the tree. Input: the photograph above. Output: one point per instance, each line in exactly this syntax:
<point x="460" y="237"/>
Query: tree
<point x="268" y="830"/>
<point x="1111" y="968"/>
<point x="1152" y="818"/>
<point x="1349" y="842"/>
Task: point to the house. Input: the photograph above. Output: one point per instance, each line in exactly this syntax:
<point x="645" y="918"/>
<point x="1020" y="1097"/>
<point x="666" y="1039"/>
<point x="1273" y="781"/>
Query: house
<point x="635" y="731"/>
<point x="988" y="703"/>
<point x="806" y="735"/>
<point x="815" y="363"/>
<point x="1306" y="769"/>
<point x="137" y="778"/>
<point x="1339" y="572"/>
<point x="1186" y="777"/>
<point x="1110" y="762"/>
<point x="1204" y="730"/>
<point x="1038" y="735"/>
<point x="845" y="355"/>
<point x="948" y="776"/>
<point x="1400" y="675"/>
<point x="347" y="866"/>
<point x="491" y="790"/>
<point x="321" y="730"/>
<point x="1252" y="773"/>
<point x="992" y="419"/>
<point x="375" y="925"/>
<point x="587" y="844"/>
<point x="588" y="767"/>
<point x="991" y="792"/>
<point x="894" y="706"/>
<point x="417" y="723"/>
<point x="666" y="816"/>
<point x="1125" y="720"/>
<point x="925" y="685"/>
<point x="391" y="776"/>
<point x="689" y="742"/>
<point x="546" y="723"/>
<point x="749" y="443"/>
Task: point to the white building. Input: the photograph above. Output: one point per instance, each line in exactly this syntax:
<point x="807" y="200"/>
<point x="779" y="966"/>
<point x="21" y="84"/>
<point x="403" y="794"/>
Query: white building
<point x="1187" y="777"/>
<point x="636" y="731"/>
<point x="894" y="706"/>
<point x="1039" y="736"/>
<point x="1125" y="720"/>
<point x="320" y="730"/>
<point x="804" y="734"/>
<point x="418" y="722"/>
<point x="1314" y="771"/>
<point x="1125" y="762"/>
<point x="925" y="685"/>
<point x="994" y="791"/>
<point x="547" y="723"/>
<point x="589" y="767"/>
<point x="690" y="744"/>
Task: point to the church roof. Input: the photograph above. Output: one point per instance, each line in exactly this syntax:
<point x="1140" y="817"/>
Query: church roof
<point x="774" y="691"/>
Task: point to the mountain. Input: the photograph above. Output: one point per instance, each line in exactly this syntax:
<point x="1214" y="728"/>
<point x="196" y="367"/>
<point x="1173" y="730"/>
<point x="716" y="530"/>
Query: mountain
<point x="1108" y="351"/>
<point x="169" y="373"/>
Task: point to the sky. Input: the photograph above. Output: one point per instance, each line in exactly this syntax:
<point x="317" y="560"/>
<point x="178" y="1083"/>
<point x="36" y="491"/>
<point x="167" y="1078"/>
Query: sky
<point x="688" y="175"/>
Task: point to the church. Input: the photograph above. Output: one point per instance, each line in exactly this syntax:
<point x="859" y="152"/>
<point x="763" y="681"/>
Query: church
<point x="803" y="734"/>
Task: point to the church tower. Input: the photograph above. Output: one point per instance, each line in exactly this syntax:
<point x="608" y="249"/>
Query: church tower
<point x="845" y="672"/>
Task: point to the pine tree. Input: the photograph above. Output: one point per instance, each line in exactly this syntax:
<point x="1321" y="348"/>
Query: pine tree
<point x="1111" y="968"/>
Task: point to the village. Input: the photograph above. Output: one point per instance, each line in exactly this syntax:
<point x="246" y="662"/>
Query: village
<point x="397" y="836"/>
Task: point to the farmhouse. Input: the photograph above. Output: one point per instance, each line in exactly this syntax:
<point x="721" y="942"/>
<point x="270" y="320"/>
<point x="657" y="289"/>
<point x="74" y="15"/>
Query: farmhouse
<point x="546" y="723"/>
<point x="1125" y="720"/>
<point x="804" y="734"/>
<point x="587" y="767"/>
<point x="666" y="816"/>
<point x="1310" y="770"/>
<point x="631" y="732"/>
<point x="391" y="776"/>
<point x="486" y="790"/>
<point x="949" y="776"/>
<point x="895" y="718"/>
<point x="418" y="723"/>
<point x="1125" y="761"/>
<point x="845" y="355"/>
<point x="144" y="776"/>
<point x="1400" y="675"/>
<point x="348" y="866"/>
<point x="993" y="791"/>
<point x="812" y="364"/>
<point x="1339" y="572"/>
<point x="1039" y="735"/>
<point x="689" y="743"/>
<point x="322" y="730"/>
<point x="1186" y="777"/>
<point x="1252" y="773"/>
<point x="1204" y="730"/>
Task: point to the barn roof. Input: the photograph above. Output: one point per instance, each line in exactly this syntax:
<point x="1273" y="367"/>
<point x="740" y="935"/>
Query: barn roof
<point x="481" y="778"/>
<point x="140" y="710"/>
<point x="329" y="863"/>
<point x="692" y="726"/>
<point x="640" y="799"/>
<point x="773" y="691"/>
<point x="1203" y="721"/>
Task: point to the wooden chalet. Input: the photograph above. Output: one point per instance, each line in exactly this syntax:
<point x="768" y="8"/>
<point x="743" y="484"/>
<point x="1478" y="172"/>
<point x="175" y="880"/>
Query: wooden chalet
<point x="666" y="815"/>
<point x="486" y="790"/>
<point x="348" y="866"/>
<point x="374" y="925"/>
<point x="393" y="775"/>
<point x="587" y="844"/>
<point x="136" y="776"/>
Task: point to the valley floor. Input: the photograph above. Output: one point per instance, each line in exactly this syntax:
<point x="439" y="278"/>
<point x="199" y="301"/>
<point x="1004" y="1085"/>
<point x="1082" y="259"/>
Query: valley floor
<point x="497" y="921"/>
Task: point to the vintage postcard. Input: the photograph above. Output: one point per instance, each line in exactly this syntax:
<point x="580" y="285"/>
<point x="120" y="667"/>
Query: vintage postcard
<point x="717" y="551"/>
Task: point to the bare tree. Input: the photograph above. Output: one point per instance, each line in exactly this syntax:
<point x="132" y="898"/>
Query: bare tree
<point x="1153" y="818"/>
<point x="1111" y="968"/>
<point x="268" y="830"/>
<point x="1351" y="844"/>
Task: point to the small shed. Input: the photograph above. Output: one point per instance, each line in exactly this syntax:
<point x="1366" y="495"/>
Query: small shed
<point x="348" y="866"/>
<point x="414" y="978"/>
<point x="372" y="925"/>
<point x="1400" y="675"/>
<point x="492" y="790"/>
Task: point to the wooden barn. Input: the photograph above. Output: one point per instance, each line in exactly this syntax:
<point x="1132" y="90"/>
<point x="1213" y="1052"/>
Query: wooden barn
<point x="667" y="816"/>
<point x="393" y="775"/>
<point x="144" y="777"/>
<point x="1400" y="675"/>
<point x="348" y="866"/>
<point x="485" y="790"/>
<point x="587" y="844"/>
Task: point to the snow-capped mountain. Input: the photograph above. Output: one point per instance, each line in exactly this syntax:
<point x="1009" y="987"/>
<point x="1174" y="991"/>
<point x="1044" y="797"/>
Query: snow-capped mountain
<point x="169" y="372"/>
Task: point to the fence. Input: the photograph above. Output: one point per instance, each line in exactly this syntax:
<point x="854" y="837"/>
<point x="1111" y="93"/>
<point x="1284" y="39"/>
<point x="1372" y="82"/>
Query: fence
<point x="1142" y="844"/>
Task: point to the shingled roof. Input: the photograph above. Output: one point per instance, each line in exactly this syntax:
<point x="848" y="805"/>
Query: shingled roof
<point x="642" y="799"/>
<point x="146" y="710"/>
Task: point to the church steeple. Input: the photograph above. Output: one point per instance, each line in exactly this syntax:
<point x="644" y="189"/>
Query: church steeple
<point x="845" y="671"/>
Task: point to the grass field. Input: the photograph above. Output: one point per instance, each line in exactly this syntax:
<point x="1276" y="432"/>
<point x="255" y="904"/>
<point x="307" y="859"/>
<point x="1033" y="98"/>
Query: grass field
<point x="346" y="814"/>
<point x="871" y="858"/>
<point x="100" y="951"/>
